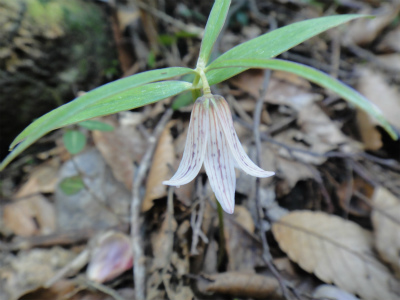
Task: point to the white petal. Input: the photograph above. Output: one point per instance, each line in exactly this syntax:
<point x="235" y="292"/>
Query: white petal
<point x="235" y="146"/>
<point x="219" y="164"/>
<point x="196" y="144"/>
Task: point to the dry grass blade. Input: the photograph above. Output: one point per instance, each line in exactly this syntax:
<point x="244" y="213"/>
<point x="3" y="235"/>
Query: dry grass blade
<point x="387" y="231"/>
<point x="337" y="251"/>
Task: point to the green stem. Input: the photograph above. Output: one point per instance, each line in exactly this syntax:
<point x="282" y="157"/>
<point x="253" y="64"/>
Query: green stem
<point x="221" y="246"/>
<point x="196" y="92"/>
<point x="204" y="81"/>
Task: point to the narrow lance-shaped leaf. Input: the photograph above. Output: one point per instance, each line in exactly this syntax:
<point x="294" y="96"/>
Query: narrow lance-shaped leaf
<point x="96" y="125"/>
<point x="129" y="99"/>
<point x="274" y="43"/>
<point x="214" y="25"/>
<point x="315" y="76"/>
<point x="51" y="120"/>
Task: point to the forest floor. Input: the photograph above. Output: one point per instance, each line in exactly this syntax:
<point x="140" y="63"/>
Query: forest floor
<point x="326" y="226"/>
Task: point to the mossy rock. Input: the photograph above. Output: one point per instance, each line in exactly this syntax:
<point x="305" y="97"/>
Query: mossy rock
<point x="49" y="50"/>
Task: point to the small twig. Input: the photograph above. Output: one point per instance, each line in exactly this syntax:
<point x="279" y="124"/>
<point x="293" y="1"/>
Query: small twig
<point x="196" y="222"/>
<point x="102" y="288"/>
<point x="170" y="217"/>
<point x="139" y="270"/>
<point x="267" y="257"/>
<point x="62" y="238"/>
<point x="168" y="19"/>
<point x="349" y="187"/>
<point x="75" y="265"/>
<point x="390" y="163"/>
<point x="314" y="63"/>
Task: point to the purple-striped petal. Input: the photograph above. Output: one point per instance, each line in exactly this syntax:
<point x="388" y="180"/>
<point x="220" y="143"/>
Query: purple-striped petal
<point x="219" y="164"/>
<point x="235" y="146"/>
<point x="196" y="144"/>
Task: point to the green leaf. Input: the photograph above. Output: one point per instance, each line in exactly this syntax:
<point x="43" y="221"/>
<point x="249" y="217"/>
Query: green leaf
<point x="95" y="104"/>
<point x="182" y="100"/>
<point x="214" y="25"/>
<point x="110" y="90"/>
<point x="72" y="185"/>
<point x="136" y="97"/>
<point x="74" y="141"/>
<point x="96" y="125"/>
<point x="274" y="43"/>
<point x="317" y="77"/>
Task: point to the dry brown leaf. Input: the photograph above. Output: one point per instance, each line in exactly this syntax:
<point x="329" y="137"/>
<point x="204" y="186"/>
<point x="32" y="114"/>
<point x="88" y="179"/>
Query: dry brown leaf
<point x="29" y="270"/>
<point x="370" y="135"/>
<point x="337" y="251"/>
<point x="162" y="243"/>
<point x="390" y="61"/>
<point x="391" y="42"/>
<point x="293" y="171"/>
<point x="34" y="215"/>
<point x="365" y="30"/>
<point x="120" y="148"/>
<point x="320" y="129"/>
<point x="163" y="159"/>
<point x="243" y="217"/>
<point x="386" y="229"/>
<point x="243" y="249"/>
<point x="61" y="289"/>
<point x="373" y="85"/>
<point x="281" y="87"/>
<point x="241" y="284"/>
<point x="43" y="179"/>
<point x="103" y="203"/>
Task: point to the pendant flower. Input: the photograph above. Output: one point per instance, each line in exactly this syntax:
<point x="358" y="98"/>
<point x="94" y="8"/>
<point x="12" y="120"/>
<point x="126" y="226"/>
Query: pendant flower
<point x="212" y="139"/>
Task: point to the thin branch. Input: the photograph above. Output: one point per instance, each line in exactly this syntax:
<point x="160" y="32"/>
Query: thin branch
<point x="137" y="220"/>
<point x="102" y="288"/>
<point x="267" y="257"/>
<point x="168" y="19"/>
<point x="196" y="222"/>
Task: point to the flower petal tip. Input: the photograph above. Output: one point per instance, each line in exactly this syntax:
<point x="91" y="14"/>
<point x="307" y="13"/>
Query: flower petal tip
<point x="229" y="211"/>
<point x="267" y="174"/>
<point x="172" y="183"/>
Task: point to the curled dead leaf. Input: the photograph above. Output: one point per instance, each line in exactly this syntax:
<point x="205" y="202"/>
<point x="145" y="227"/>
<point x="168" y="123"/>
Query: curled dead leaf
<point x="336" y="250"/>
<point x="239" y="284"/>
